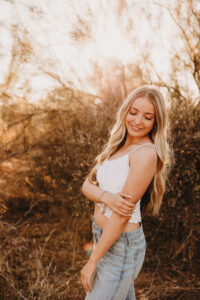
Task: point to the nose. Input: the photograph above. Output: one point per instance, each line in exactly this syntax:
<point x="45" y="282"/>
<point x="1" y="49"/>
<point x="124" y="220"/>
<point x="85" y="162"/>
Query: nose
<point x="138" y="120"/>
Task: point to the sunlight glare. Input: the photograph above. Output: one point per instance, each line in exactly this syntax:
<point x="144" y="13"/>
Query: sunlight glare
<point x="111" y="43"/>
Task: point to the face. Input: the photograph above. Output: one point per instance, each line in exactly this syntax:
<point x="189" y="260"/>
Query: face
<point x="140" y="118"/>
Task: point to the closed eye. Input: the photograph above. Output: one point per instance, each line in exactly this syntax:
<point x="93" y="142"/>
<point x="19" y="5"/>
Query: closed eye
<point x="145" y="117"/>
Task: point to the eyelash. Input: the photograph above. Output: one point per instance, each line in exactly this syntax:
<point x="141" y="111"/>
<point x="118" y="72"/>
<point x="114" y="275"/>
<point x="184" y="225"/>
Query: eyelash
<point x="145" y="117"/>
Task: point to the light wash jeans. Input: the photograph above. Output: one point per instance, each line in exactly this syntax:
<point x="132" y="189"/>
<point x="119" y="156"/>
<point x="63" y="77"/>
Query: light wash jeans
<point x="120" y="265"/>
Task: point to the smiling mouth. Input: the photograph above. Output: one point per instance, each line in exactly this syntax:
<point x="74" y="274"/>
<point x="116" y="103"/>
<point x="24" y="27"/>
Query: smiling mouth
<point x="135" y="128"/>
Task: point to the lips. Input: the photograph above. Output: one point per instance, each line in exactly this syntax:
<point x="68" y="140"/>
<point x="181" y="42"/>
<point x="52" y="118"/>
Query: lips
<point x="135" y="128"/>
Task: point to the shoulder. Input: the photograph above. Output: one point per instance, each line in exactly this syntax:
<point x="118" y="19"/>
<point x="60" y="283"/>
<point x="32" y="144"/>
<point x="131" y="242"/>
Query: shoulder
<point x="145" y="155"/>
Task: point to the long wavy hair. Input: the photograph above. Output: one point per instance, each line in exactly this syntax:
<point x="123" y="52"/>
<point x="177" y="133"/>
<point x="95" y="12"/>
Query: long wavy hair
<point x="160" y="136"/>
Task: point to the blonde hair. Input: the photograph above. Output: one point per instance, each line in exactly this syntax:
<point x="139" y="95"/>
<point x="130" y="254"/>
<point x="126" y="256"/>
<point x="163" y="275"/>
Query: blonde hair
<point x="159" y="135"/>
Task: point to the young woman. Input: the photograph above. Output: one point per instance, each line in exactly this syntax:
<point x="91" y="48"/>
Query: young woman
<point x="135" y="160"/>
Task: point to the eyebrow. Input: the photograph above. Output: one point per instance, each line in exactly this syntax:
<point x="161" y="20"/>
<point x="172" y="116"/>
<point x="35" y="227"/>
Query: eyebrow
<point x="147" y="113"/>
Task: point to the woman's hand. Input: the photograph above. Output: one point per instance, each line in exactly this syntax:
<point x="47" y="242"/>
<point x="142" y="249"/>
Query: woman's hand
<point x="86" y="275"/>
<point x="119" y="203"/>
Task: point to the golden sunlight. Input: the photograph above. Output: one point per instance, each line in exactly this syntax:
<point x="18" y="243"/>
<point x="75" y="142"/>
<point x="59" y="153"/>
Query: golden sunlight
<point x="66" y="41"/>
<point x="110" y="42"/>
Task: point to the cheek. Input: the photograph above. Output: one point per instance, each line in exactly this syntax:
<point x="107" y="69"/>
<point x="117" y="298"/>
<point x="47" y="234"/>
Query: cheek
<point x="128" y="118"/>
<point x="149" y="125"/>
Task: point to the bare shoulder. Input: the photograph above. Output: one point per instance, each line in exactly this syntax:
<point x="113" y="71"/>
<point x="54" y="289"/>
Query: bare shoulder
<point x="146" y="154"/>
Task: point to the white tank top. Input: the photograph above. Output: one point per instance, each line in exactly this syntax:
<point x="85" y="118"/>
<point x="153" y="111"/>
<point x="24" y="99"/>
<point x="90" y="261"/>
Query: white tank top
<point x="111" y="176"/>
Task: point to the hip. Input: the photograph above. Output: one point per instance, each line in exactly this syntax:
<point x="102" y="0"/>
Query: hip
<point x="129" y="241"/>
<point x="126" y="254"/>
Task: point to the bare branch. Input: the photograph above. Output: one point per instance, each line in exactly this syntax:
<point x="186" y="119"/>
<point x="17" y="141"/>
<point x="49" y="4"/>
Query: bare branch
<point x="12" y="286"/>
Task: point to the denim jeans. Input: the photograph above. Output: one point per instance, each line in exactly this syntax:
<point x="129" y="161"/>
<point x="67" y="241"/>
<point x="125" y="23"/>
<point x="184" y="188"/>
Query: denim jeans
<point x="120" y="265"/>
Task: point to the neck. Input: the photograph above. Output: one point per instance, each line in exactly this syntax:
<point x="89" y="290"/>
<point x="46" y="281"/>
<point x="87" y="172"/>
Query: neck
<point x="136" y="140"/>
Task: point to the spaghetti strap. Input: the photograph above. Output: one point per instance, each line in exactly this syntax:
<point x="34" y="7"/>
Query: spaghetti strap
<point x="141" y="146"/>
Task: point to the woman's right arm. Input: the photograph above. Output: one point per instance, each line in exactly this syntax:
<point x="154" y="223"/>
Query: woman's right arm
<point x="91" y="191"/>
<point x="118" y="203"/>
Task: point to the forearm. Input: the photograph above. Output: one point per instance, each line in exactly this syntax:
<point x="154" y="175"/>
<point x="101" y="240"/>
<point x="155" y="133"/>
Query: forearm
<point x="91" y="191"/>
<point x="113" y="229"/>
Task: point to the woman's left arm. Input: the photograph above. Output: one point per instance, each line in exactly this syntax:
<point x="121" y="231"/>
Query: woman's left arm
<point x="142" y="169"/>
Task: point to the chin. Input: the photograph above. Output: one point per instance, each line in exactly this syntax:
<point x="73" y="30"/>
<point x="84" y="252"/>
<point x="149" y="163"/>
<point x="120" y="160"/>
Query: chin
<point x="137" y="134"/>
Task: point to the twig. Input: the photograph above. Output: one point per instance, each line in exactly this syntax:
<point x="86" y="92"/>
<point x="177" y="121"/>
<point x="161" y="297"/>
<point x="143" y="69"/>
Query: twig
<point x="26" y="213"/>
<point x="154" y="275"/>
<point x="182" y="246"/>
<point x="13" y="287"/>
<point x="7" y="224"/>
<point x="156" y="231"/>
<point x="180" y="288"/>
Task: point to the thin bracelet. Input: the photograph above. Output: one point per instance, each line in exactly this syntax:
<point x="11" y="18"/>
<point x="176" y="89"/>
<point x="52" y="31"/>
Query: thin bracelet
<point x="99" y="199"/>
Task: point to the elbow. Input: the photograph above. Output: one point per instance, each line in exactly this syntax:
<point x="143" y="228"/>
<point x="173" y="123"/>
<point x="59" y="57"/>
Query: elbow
<point x="83" y="188"/>
<point x="122" y="219"/>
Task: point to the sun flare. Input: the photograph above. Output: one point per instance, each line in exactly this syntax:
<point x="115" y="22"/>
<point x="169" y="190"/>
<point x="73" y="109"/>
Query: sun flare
<point x="110" y="43"/>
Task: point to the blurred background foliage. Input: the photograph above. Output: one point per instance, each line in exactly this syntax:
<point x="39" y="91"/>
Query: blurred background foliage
<point x="48" y="147"/>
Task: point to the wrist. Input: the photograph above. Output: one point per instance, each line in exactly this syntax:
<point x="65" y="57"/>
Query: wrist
<point x="105" y="198"/>
<point x="99" y="199"/>
<point x="92" y="258"/>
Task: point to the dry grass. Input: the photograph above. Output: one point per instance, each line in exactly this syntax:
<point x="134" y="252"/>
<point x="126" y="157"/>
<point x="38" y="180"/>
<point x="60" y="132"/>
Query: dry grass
<point x="41" y="259"/>
<point x="41" y="245"/>
<point x="42" y="233"/>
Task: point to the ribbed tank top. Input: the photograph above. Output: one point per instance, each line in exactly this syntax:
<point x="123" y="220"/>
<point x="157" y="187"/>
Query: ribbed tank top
<point x="111" y="176"/>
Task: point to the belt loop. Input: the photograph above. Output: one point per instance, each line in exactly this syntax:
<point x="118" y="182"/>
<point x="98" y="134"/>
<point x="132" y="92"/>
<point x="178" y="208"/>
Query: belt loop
<point x="127" y="240"/>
